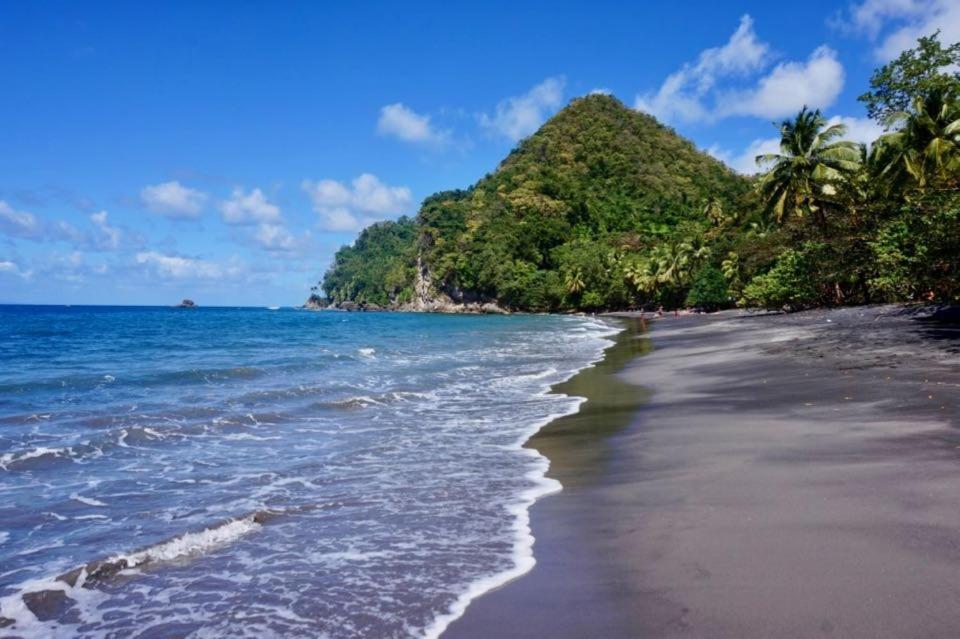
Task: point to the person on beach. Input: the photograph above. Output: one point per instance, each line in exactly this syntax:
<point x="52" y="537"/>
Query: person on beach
<point x="660" y="311"/>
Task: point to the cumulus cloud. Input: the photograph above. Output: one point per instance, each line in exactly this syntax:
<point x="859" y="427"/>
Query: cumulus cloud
<point x="399" y="121"/>
<point x="789" y="87"/>
<point x="708" y="89"/>
<point x="861" y="130"/>
<point x="895" y="25"/>
<point x="24" y="225"/>
<point x="745" y="162"/>
<point x="519" y="116"/>
<point x="249" y="208"/>
<point x="275" y="238"/>
<point x="8" y="267"/>
<point x="173" y="200"/>
<point x="107" y="237"/>
<point x="19" y="223"/>
<point x="184" y="268"/>
<point x="681" y="94"/>
<point x="345" y="207"/>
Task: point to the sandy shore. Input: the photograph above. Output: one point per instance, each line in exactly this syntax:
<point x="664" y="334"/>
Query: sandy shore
<point x="752" y="476"/>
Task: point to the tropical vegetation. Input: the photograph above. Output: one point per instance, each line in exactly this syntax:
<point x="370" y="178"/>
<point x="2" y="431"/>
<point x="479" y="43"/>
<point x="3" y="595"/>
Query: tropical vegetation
<point x="605" y="208"/>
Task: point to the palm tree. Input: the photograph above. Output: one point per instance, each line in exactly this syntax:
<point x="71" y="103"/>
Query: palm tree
<point x="812" y="165"/>
<point x="925" y="147"/>
<point x="644" y="274"/>
<point x="713" y="211"/>
<point x="574" y="282"/>
<point x="668" y="265"/>
<point x="730" y="268"/>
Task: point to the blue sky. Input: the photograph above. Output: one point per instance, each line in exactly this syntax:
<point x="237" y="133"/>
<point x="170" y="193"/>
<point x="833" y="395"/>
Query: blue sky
<point x="223" y="150"/>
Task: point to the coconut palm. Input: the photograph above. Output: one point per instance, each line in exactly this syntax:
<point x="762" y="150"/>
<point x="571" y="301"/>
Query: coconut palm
<point x="668" y="265"/>
<point x="813" y="163"/>
<point x="643" y="274"/>
<point x="574" y="281"/>
<point x="682" y="259"/>
<point x="924" y="146"/>
<point x="730" y="267"/>
<point x="713" y="211"/>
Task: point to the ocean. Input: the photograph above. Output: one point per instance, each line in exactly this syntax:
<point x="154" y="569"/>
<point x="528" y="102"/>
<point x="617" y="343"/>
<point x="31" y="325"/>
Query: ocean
<point x="253" y="472"/>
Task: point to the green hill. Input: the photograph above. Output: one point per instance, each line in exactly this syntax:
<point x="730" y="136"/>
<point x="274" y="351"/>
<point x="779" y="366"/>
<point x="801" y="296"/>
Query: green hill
<point x="569" y="220"/>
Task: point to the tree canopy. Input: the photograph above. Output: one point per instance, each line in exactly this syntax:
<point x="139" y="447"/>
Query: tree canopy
<point x="605" y="208"/>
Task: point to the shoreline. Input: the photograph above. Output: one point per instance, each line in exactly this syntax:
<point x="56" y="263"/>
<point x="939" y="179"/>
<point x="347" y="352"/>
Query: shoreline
<point x="544" y="486"/>
<point x="790" y="475"/>
<point x="609" y="406"/>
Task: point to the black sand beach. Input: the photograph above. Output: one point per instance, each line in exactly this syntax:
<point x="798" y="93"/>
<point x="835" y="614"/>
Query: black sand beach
<point x="752" y="476"/>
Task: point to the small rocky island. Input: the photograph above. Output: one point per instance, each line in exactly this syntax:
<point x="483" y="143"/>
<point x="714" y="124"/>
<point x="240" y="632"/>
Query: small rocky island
<point x="186" y="303"/>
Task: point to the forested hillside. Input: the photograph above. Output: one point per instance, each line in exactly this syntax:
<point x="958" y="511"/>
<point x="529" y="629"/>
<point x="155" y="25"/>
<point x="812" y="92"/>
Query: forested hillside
<point x="555" y="225"/>
<point x="605" y="208"/>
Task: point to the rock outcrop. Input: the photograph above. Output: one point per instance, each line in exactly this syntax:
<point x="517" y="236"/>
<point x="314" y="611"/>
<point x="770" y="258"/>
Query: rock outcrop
<point x="426" y="299"/>
<point x="315" y="303"/>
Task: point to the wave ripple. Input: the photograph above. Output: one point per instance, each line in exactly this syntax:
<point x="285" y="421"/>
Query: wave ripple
<point x="244" y="472"/>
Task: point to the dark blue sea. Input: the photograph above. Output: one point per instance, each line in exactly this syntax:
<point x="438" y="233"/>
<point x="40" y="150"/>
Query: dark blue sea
<point x="253" y="472"/>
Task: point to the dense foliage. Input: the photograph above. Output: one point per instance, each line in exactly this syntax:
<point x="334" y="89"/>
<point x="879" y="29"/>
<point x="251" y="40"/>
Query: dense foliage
<point x="709" y="291"/>
<point x="562" y="221"/>
<point x="870" y="224"/>
<point x="382" y="255"/>
<point x="604" y="208"/>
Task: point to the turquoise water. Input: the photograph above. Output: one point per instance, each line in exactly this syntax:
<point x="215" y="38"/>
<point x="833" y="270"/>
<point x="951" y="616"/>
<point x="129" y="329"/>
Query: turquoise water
<point x="249" y="472"/>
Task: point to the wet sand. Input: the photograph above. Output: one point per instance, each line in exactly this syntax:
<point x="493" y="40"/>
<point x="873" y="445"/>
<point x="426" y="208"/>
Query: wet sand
<point x="752" y="476"/>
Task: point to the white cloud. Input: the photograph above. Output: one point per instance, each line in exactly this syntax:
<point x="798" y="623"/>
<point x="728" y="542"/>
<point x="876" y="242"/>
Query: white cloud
<point x="103" y="237"/>
<point x="365" y="200"/>
<point x="897" y="24"/>
<point x="173" y="200"/>
<point x="19" y="223"/>
<point x="277" y="239"/>
<point x="694" y="93"/>
<point x="789" y="87"/>
<point x="12" y="268"/>
<point x="183" y="268"/>
<point x="745" y="162"/>
<point x="600" y="91"/>
<point x="682" y="93"/>
<point x="519" y="116"/>
<point x="401" y="122"/>
<point x="108" y="236"/>
<point x="249" y="208"/>
<point x="861" y="130"/>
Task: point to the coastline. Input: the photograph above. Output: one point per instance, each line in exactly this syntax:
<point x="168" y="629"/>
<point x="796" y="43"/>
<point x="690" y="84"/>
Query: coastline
<point x="790" y="475"/>
<point x="396" y="476"/>
<point x="576" y="446"/>
<point x="621" y="334"/>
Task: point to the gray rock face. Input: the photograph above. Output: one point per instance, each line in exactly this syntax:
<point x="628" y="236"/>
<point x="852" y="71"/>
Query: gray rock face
<point x="493" y="309"/>
<point x="47" y="605"/>
<point x="426" y="299"/>
<point x="314" y="303"/>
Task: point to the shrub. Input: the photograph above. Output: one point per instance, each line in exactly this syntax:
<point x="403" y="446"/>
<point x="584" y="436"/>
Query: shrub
<point x="709" y="290"/>
<point x="791" y="282"/>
